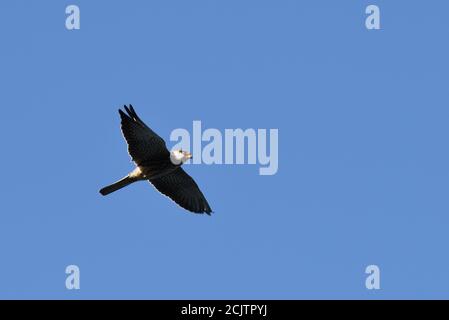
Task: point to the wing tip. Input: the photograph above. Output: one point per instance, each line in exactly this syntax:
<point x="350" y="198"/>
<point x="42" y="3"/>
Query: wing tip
<point x="122" y="114"/>
<point x="207" y="210"/>
<point x="128" y="111"/>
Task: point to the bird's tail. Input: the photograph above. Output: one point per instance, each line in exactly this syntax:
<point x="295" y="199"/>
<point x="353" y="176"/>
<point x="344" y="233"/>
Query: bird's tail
<point x="117" y="185"/>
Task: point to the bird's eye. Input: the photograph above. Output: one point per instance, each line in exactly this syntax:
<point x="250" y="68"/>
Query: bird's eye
<point x="180" y="150"/>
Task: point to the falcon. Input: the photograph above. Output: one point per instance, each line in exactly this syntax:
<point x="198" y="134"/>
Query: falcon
<point x="159" y="166"/>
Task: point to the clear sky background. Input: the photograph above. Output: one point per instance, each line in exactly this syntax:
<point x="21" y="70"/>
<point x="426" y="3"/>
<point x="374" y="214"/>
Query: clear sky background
<point x="363" y="148"/>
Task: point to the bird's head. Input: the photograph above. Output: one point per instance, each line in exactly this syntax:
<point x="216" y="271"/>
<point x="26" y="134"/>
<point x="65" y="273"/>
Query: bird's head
<point x="178" y="157"/>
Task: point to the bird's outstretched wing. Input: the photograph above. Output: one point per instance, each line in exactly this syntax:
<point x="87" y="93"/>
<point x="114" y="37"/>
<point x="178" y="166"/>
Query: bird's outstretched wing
<point x="182" y="189"/>
<point x="144" y="145"/>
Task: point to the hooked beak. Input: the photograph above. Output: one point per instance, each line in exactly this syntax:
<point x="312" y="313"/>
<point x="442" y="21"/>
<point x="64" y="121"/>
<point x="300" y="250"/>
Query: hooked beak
<point x="188" y="155"/>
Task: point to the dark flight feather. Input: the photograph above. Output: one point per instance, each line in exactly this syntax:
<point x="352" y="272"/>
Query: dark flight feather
<point x="182" y="189"/>
<point x="144" y="145"/>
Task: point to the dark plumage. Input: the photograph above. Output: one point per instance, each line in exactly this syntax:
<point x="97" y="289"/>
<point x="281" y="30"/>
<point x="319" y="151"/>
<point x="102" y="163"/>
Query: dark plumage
<point x="159" y="166"/>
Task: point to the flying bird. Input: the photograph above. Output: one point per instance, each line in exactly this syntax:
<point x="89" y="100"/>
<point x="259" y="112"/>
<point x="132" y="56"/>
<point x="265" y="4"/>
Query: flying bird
<point x="159" y="166"/>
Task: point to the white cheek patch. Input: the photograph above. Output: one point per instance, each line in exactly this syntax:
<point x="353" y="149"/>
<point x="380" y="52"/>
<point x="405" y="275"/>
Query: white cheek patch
<point x="176" y="158"/>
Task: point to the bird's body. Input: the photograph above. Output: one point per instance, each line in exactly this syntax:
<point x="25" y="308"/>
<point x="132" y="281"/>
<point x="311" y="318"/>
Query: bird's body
<point x="154" y="170"/>
<point x="159" y="166"/>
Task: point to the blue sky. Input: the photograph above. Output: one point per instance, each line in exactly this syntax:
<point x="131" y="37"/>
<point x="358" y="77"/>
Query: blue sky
<point x="363" y="155"/>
